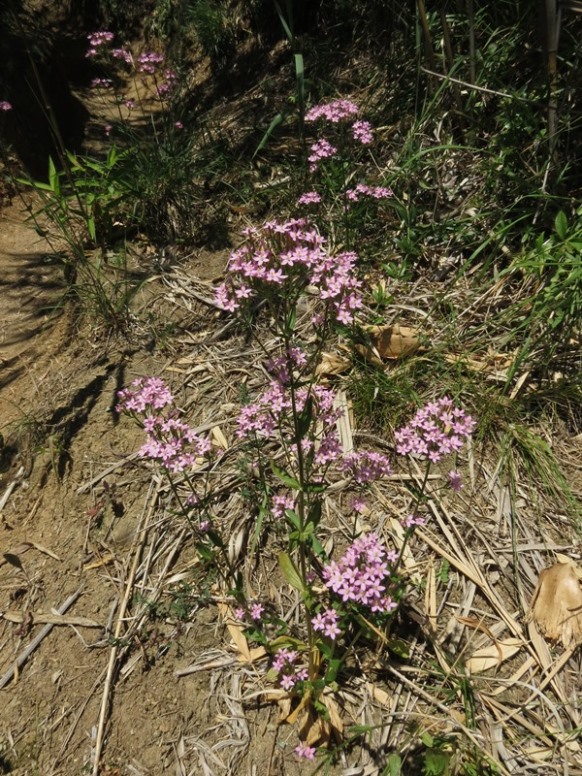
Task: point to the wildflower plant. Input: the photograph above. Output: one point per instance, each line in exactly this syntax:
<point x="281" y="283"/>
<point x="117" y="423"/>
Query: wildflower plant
<point x="289" y="272"/>
<point x="338" y="169"/>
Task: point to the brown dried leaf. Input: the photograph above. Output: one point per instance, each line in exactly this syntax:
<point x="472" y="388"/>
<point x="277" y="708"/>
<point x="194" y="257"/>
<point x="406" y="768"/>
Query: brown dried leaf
<point x="236" y="633"/>
<point x="332" y="364"/>
<point x="390" y="342"/>
<point x="335" y="718"/>
<point x="492" y="656"/>
<point x="379" y="695"/>
<point x="556" y="604"/>
<point x="218" y="437"/>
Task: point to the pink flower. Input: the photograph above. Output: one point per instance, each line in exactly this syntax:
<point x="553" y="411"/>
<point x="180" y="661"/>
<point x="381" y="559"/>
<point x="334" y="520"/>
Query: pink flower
<point x="455" y="481"/>
<point x="321" y="149"/>
<point x="436" y="430"/>
<point x="327" y="623"/>
<point x="362" y="132"/>
<point x="256" y="611"/>
<point x="413" y="520"/>
<point x="309" y="198"/>
<point x="360" y="576"/>
<point x="334" y="112"/>
<point x="5" y="105"/>
<point x="305" y="751"/>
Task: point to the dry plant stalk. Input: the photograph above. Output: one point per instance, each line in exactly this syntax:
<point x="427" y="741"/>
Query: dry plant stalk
<point x="556" y="605"/>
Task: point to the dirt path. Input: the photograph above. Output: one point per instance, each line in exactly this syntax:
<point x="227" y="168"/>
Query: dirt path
<point x="30" y="288"/>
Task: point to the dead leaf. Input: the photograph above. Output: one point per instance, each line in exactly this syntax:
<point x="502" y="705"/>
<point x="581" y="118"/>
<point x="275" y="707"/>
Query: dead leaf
<point x="219" y="439"/>
<point x="236" y="633"/>
<point x="492" y="656"/>
<point x="335" y="718"/>
<point x="389" y="342"/>
<point x="379" y="695"/>
<point x="332" y="364"/>
<point x="556" y="605"/>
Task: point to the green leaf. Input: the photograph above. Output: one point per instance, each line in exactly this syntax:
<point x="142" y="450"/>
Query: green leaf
<point x="436" y="763"/>
<point x="399" y="648"/>
<point x="317" y="546"/>
<point x="279" y="118"/>
<point x="293" y="518"/>
<point x="304" y="419"/>
<point x="285" y="478"/>
<point x="53" y="177"/>
<point x="91" y="228"/>
<point x="394" y="765"/>
<point x="561" y="225"/>
<point x="291" y="572"/>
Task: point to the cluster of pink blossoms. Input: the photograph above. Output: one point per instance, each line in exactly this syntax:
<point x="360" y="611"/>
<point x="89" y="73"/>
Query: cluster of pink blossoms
<point x="334" y="112"/>
<point x="366" y="466"/>
<point x="145" y="394"/>
<point x="305" y="751"/>
<point x="98" y="41"/>
<point x="271" y="414"/>
<point x="321" y="149"/>
<point x="285" y="258"/>
<point x="5" y="105"/>
<point x="170" y="441"/>
<point x="436" y="430"/>
<point x="362" y="132"/>
<point x="360" y="576"/>
<point x="309" y="198"/>
<point x="326" y="622"/>
<point x="101" y="83"/>
<point x="285" y="665"/>
<point x="149" y="62"/>
<point x="363" y="190"/>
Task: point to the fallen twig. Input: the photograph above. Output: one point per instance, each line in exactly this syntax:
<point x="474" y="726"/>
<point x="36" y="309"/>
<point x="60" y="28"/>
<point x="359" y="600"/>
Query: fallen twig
<point x="23" y="657"/>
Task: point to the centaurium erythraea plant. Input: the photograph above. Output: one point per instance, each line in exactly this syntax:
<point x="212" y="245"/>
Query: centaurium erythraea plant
<point x="436" y="430"/>
<point x="280" y="260"/>
<point x="362" y="575"/>
<point x="170" y="441"/>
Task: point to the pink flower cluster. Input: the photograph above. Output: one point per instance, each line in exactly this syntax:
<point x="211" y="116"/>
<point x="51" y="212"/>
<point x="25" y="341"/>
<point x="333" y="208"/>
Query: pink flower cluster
<point x="321" y="149"/>
<point x="362" y="132"/>
<point x="101" y="83"/>
<point x="5" y="105"/>
<point x="285" y="258"/>
<point x="334" y="112"/>
<point x="281" y="503"/>
<point x="98" y="41"/>
<point x="326" y="622"/>
<point x="285" y="665"/>
<point x="280" y="366"/>
<point x="149" y="62"/>
<point x="436" y="430"/>
<point x="170" y="441"/>
<point x="305" y="751"/>
<point x="411" y="521"/>
<point x="121" y="53"/>
<point x="271" y="413"/>
<point x="366" y="466"/>
<point x="309" y="198"/>
<point x="360" y="576"/>
<point x="145" y="394"/>
<point x="376" y="192"/>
